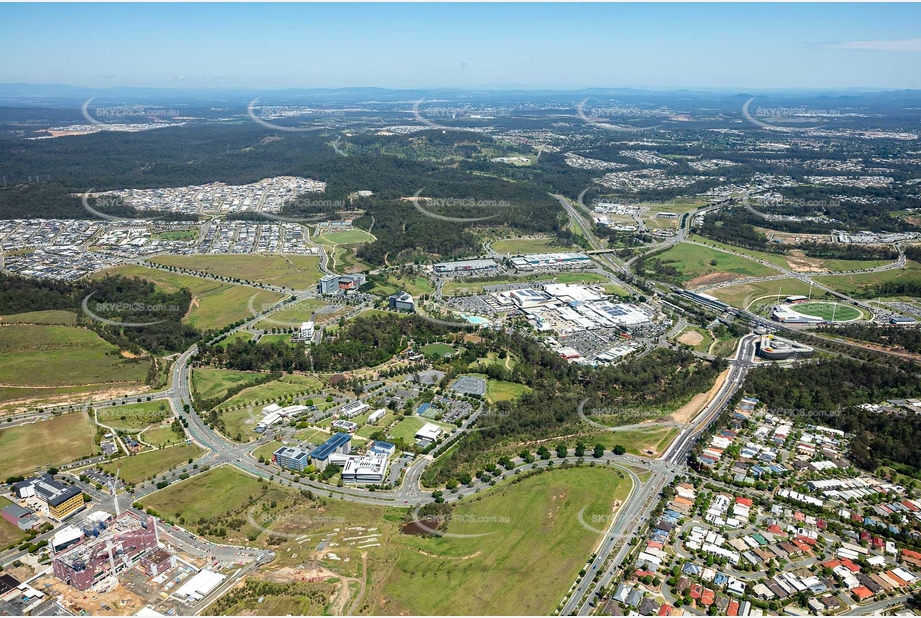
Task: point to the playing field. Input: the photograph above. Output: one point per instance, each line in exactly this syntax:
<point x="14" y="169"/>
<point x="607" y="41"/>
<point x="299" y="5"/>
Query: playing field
<point x="347" y="237"/>
<point x="134" y="417"/>
<point x="144" y="466"/>
<point x="437" y="349"/>
<point x="290" y="271"/>
<point x="517" y="246"/>
<point x="829" y="311"/>
<point x="53" y="442"/>
<point x="527" y="526"/>
<point x="61" y="356"/>
<point x="214" y="304"/>
<point x="701" y="265"/>
<point x="696" y="338"/>
<point x="771" y="292"/>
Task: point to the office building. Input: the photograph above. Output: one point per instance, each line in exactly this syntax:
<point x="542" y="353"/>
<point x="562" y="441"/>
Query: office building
<point x="402" y="301"/>
<point x="329" y="284"/>
<point x="292" y="458"/>
<point x="59" y="499"/>
<point x="340" y="443"/>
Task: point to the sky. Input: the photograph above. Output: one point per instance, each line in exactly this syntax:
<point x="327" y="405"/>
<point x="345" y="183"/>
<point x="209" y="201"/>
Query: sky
<point x="554" y="46"/>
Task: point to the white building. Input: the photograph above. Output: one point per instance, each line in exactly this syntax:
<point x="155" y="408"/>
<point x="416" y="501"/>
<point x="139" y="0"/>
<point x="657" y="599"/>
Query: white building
<point x="429" y="432"/>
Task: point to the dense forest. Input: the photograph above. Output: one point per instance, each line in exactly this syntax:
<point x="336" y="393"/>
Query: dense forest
<point x="908" y="339"/>
<point x="157" y="315"/>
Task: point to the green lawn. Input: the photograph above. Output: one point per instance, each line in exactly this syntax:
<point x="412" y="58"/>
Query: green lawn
<point x="580" y="278"/>
<point x="286" y="386"/>
<point x="161" y="436"/>
<point x="347" y="237"/>
<point x="240" y="335"/>
<point x="613" y="288"/>
<point x="214" y="304"/>
<point x="210" y="495"/>
<point x="437" y="349"/>
<point x="497" y="390"/>
<point x="65" y="318"/>
<point x="840" y="312"/>
<point x="208" y="383"/>
<point x="694" y="261"/>
<point x="291" y="271"/>
<point x="53" y="442"/>
<point x="135" y="416"/>
<point x="861" y="284"/>
<point x="636" y="441"/>
<point x="515" y="246"/>
<point x="62" y="356"/>
<point x="407" y="428"/>
<point x="293" y="314"/>
<point x="529" y="526"/>
<point x="9" y="534"/>
<point x="147" y="465"/>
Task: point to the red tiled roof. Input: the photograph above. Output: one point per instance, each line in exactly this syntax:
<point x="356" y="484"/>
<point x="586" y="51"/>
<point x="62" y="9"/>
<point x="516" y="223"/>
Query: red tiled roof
<point x="744" y="501"/>
<point x="707" y="597"/>
<point x="863" y="593"/>
<point x="733" y="609"/>
<point x="665" y="609"/>
<point x="850" y="566"/>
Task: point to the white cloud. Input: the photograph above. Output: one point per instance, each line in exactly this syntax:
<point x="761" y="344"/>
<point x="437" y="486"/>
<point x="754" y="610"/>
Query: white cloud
<point x="908" y="45"/>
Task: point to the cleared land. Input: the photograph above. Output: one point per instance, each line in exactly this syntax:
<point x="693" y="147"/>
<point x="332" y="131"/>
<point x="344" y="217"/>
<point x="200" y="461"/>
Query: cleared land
<point x="796" y="259"/>
<point x="698" y="339"/>
<point x="293" y="314"/>
<point x="161" y="436"/>
<point x="701" y="265"/>
<point x="214" y="304"/>
<point x="62" y="356"/>
<point x="60" y="440"/>
<point x="147" y="465"/>
<point x="416" y="286"/>
<point x="135" y="416"/>
<point x="208" y="383"/>
<point x="528" y="526"/>
<point x="437" y="349"/>
<point x="860" y="284"/>
<point x="646" y="441"/>
<point x="517" y="246"/>
<point x="207" y="496"/>
<point x="290" y="271"/>
<point x="743" y="294"/>
<point x="65" y="318"/>
<point x="407" y="428"/>
<point x="497" y="390"/>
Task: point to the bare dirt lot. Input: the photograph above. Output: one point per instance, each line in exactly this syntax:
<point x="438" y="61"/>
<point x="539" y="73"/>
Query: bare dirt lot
<point x="691" y="338"/>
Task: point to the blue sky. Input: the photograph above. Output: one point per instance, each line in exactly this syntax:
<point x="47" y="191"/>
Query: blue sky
<point x="270" y="46"/>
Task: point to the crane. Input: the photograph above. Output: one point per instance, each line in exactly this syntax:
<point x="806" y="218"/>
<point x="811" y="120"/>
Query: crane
<point x="112" y="485"/>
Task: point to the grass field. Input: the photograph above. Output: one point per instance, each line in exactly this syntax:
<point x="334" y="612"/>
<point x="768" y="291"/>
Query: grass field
<point x="743" y="294"/>
<point x="214" y="304"/>
<point x="492" y="358"/>
<point x="856" y="285"/>
<point x="64" y="318"/>
<point x="690" y="335"/>
<point x="135" y="416"/>
<point x="416" y="286"/>
<point x="9" y="534"/>
<point x="347" y="237"/>
<point x="517" y="246"/>
<point x="161" y="436"/>
<point x="698" y="265"/>
<point x="47" y="443"/>
<point x="147" y="465"/>
<point x="528" y="527"/>
<point x="282" y="388"/>
<point x="210" y="495"/>
<point x="208" y="383"/>
<point x="437" y="349"/>
<point x="290" y="271"/>
<point x="636" y="441"/>
<point x="497" y="390"/>
<point x="407" y="428"/>
<point x="63" y="356"/>
<point x="293" y="314"/>
<point x="840" y="312"/>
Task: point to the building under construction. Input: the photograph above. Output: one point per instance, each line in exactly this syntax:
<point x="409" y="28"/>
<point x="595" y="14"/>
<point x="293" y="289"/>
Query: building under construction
<point x="106" y="549"/>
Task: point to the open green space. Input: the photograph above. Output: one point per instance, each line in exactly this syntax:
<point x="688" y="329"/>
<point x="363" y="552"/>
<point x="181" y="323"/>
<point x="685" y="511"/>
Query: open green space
<point x="516" y="246"/>
<point x="292" y="315"/>
<point x="492" y="358"/>
<point x="498" y="390"/>
<point x="135" y="416"/>
<point x="652" y="440"/>
<point x="162" y="436"/>
<point x="527" y="526"/>
<point x="9" y="533"/>
<point x="691" y="333"/>
<point x="407" y="428"/>
<point x="347" y="237"/>
<point x="60" y="440"/>
<point x="829" y="311"/>
<point x="63" y="356"/>
<point x="64" y="318"/>
<point x="586" y="278"/>
<point x="864" y="283"/>
<point x="240" y="335"/>
<point x="283" y="388"/>
<point x="144" y="466"/>
<point x="208" y="382"/>
<point x="437" y="349"/>
<point x="743" y="294"/>
<point x="290" y="271"/>
<point x="697" y="264"/>
<point x="214" y="304"/>
<point x="465" y="287"/>
<point x="205" y="496"/>
<point x="414" y="285"/>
